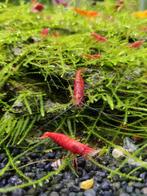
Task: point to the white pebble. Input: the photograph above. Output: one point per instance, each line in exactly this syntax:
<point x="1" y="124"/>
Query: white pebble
<point x="117" y="153"/>
<point x="144" y="190"/>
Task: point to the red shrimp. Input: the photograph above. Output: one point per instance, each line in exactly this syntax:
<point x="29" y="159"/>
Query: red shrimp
<point x="70" y="144"/>
<point x="92" y="56"/>
<point x="33" y="1"/>
<point x="87" y="13"/>
<point x="44" y="32"/>
<point x="136" y="44"/>
<point x="37" y="7"/>
<point x="98" y="37"/>
<point x="78" y="96"/>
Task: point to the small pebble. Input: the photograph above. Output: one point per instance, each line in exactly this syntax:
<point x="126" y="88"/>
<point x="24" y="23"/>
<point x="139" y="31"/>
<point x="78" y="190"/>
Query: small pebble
<point x="57" y="187"/>
<point x="15" y="180"/>
<point x="67" y="175"/>
<point x="138" y="185"/>
<point x="18" y="192"/>
<point x="90" y="192"/>
<point x="129" y="189"/>
<point x="42" y="194"/>
<point x="105" y="185"/>
<point x="85" y="177"/>
<point x="87" y="184"/>
<point x="143" y="175"/>
<point x="144" y="190"/>
<point x="50" y="155"/>
<point x="80" y="194"/>
<point x="64" y="190"/>
<point x="54" y="193"/>
<point x="137" y="191"/>
<point x="72" y="194"/>
<point x="74" y="189"/>
<point x="48" y="167"/>
<point x="2" y="165"/>
<point x="101" y="174"/>
<point x="70" y="184"/>
<point x="81" y="162"/>
<point x="124" y="194"/>
<point x="30" y="174"/>
<point x="97" y="187"/>
<point x="108" y="193"/>
<point x="116" y="185"/>
<point x="117" y="153"/>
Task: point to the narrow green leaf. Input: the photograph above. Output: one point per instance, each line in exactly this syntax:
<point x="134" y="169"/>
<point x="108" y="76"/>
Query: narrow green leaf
<point x="110" y="101"/>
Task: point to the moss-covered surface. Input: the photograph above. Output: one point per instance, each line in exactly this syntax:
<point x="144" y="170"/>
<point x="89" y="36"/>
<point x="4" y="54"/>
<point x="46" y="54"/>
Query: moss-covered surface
<point x="37" y="77"/>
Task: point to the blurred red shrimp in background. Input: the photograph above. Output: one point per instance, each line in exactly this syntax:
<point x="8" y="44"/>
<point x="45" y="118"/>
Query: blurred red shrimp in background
<point x="36" y="6"/>
<point x="78" y="95"/>
<point x="44" y="32"/>
<point x="136" y="44"/>
<point x="56" y="34"/>
<point x="98" y="37"/>
<point x="92" y="56"/>
<point x="70" y="144"/>
<point x="60" y="2"/>
<point x="87" y="13"/>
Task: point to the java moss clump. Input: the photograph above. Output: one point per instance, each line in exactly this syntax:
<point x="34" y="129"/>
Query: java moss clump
<point x="37" y="80"/>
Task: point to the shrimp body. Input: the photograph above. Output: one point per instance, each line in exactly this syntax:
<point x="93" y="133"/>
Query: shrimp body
<point x="61" y="2"/>
<point x="92" y="56"/>
<point x="87" y="13"/>
<point x="37" y="7"/>
<point x="44" y="32"/>
<point x="78" y="96"/>
<point x="98" y="37"/>
<point x="136" y="44"/>
<point x="69" y="143"/>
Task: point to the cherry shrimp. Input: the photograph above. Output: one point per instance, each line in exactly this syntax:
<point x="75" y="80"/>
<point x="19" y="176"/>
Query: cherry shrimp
<point x="78" y="95"/>
<point x="37" y="7"/>
<point x="136" y="44"/>
<point x="92" y="56"/>
<point x="87" y="13"/>
<point x="70" y="144"/>
<point x="61" y="2"/>
<point x="98" y="37"/>
<point x="44" y="32"/>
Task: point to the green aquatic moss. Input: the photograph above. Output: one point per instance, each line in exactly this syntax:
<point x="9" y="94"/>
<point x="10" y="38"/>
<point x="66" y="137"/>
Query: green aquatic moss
<point x="37" y="76"/>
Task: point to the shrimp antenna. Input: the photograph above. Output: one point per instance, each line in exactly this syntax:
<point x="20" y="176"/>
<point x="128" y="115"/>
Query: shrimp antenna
<point x="91" y="108"/>
<point x="70" y="106"/>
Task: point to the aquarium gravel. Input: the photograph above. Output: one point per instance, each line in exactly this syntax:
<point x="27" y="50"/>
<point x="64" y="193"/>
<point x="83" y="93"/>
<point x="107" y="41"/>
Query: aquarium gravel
<point x="37" y="164"/>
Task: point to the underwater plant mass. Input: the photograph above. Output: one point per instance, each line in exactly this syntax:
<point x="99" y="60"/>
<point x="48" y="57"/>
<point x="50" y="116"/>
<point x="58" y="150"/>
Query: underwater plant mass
<point x="76" y="71"/>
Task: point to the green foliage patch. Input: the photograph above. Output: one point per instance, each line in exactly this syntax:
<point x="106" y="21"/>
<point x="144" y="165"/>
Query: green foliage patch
<point x="37" y="78"/>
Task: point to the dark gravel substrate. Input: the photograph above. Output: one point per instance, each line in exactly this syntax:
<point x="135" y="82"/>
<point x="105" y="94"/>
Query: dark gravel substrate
<point x="67" y="183"/>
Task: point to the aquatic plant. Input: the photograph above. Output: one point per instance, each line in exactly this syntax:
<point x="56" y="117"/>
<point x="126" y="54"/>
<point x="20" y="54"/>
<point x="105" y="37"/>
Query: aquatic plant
<point x="37" y="81"/>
